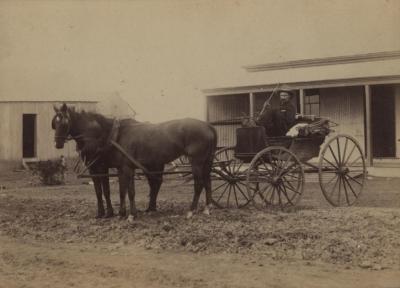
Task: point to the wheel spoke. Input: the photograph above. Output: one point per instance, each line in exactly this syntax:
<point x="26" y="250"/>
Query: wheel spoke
<point x="292" y="176"/>
<point x="333" y="154"/>
<point x="340" y="189"/>
<point x="345" y="191"/>
<point x="291" y="168"/>
<point x="351" y="188"/>
<point x="229" y="195"/>
<point x="266" y="191"/>
<point x="348" y="157"/>
<point x="294" y="190"/>
<point x="285" y="194"/>
<point x="263" y="199"/>
<point x="334" y="176"/>
<point x="287" y="167"/>
<point x="338" y="147"/>
<point x="344" y="152"/>
<point x="271" y="200"/>
<point x="222" y="194"/>
<point x="234" y="193"/>
<point x="241" y="192"/>
<point x="265" y="165"/>
<point x="359" y="157"/>
<point x="289" y="182"/>
<point x="334" y="187"/>
<point x="279" y="197"/>
<point x="220" y="186"/>
<point x="329" y="162"/>
<point x="351" y="178"/>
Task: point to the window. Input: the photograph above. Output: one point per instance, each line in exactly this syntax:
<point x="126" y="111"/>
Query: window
<point x="311" y="102"/>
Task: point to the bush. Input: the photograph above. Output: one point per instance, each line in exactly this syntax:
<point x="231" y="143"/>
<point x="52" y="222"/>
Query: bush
<point x="50" y="172"/>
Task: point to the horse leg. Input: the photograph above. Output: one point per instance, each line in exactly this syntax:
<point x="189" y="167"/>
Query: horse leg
<point x="155" y="182"/>
<point x="126" y="184"/>
<point x="198" y="187"/>
<point x="123" y="186"/>
<point x="207" y="185"/>
<point x="131" y="195"/>
<point x="106" y="190"/>
<point x="100" y="206"/>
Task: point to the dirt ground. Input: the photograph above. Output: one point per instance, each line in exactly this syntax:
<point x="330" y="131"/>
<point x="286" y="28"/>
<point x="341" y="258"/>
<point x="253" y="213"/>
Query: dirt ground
<point x="50" y="238"/>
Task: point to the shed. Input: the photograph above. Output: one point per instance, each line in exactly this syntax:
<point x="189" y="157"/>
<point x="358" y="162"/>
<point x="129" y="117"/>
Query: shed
<point x="26" y="133"/>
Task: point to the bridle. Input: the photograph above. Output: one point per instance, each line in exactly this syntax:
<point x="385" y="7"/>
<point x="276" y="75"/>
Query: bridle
<point x="65" y="119"/>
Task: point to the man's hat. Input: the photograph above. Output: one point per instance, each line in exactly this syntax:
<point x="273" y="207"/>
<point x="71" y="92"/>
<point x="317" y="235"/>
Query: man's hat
<point x="288" y="91"/>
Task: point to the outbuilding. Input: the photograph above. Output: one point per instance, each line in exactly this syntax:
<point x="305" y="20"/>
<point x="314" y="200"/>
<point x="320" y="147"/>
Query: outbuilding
<point x="26" y="133"/>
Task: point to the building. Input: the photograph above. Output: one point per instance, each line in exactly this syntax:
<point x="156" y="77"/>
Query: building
<point x="26" y="133"/>
<point x="360" y="92"/>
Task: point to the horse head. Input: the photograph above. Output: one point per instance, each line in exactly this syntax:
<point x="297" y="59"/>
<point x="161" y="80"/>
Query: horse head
<point x="61" y="123"/>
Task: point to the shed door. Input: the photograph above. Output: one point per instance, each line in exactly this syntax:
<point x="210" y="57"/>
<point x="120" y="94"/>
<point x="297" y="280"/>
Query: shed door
<point x="383" y="121"/>
<point x="29" y="135"/>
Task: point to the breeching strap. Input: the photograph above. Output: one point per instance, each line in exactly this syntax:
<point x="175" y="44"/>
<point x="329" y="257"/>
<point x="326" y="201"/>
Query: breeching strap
<point x="133" y="160"/>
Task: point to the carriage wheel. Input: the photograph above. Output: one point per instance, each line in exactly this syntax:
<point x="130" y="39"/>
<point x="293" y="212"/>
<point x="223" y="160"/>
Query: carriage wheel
<point x="275" y="178"/>
<point x="183" y="164"/>
<point x="228" y="187"/>
<point x="342" y="170"/>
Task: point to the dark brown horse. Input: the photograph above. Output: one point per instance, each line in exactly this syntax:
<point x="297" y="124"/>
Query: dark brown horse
<point x="152" y="145"/>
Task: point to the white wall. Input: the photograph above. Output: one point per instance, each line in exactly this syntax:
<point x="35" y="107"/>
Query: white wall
<point x="11" y="130"/>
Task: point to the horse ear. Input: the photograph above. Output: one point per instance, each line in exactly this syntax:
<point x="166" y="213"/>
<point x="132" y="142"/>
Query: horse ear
<point x="64" y="108"/>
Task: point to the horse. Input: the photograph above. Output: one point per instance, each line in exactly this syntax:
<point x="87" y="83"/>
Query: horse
<point x="139" y="145"/>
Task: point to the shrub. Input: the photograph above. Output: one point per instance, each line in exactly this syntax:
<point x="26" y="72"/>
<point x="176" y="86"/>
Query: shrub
<point x="50" y="172"/>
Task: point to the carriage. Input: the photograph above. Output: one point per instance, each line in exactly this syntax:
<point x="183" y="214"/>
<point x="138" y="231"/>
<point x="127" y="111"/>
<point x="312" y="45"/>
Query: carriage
<point x="269" y="172"/>
<point x="265" y="171"/>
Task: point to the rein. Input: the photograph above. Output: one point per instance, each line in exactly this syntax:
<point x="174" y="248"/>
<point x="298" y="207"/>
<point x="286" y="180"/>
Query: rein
<point x="69" y="137"/>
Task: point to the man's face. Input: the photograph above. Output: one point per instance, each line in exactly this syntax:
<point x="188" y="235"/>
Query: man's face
<point x="284" y="96"/>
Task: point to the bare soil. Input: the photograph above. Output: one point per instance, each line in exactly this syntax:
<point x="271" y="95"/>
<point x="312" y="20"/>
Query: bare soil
<point x="50" y="238"/>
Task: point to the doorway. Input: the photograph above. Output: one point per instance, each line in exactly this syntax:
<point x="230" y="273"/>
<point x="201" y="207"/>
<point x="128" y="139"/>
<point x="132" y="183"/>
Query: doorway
<point x="383" y="121"/>
<point x="29" y="135"/>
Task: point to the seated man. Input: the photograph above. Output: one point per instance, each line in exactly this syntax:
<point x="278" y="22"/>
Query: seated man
<point x="278" y="121"/>
<point x="286" y="115"/>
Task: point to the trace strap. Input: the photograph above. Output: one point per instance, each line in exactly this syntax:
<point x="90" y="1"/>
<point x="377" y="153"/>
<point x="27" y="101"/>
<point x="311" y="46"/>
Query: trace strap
<point x="133" y="160"/>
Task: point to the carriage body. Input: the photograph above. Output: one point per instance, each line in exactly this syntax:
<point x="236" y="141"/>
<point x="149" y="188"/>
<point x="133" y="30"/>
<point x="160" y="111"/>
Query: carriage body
<point x="270" y="171"/>
<point x="251" y="140"/>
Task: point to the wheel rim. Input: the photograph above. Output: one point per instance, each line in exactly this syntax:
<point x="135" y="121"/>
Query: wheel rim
<point x="275" y="179"/>
<point x="342" y="170"/>
<point x="229" y="174"/>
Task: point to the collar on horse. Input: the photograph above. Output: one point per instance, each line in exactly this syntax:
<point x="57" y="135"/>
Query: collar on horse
<point x="112" y="138"/>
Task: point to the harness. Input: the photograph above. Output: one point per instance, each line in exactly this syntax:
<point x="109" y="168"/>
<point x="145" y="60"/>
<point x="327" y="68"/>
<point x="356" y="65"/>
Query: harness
<point x="113" y="136"/>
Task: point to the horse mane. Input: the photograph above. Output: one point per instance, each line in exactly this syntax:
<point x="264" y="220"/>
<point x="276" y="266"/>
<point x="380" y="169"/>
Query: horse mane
<point x="103" y="121"/>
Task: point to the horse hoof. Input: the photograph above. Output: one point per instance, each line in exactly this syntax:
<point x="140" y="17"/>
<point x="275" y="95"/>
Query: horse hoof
<point x="99" y="216"/>
<point x="189" y="215"/>
<point x="109" y="214"/>
<point x="131" y="219"/>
